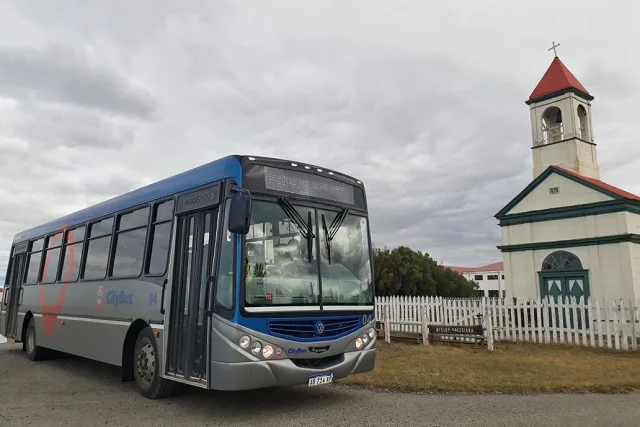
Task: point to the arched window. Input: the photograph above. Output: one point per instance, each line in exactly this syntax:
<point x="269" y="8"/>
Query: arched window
<point x="583" y="130"/>
<point x="552" y="127"/>
<point x="561" y="260"/>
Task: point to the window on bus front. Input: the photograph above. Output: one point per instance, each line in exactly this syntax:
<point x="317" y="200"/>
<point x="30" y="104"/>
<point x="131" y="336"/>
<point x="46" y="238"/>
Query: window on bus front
<point x="279" y="268"/>
<point x="345" y="261"/>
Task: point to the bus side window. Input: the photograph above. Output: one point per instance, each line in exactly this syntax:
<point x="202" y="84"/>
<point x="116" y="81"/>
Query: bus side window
<point x="35" y="258"/>
<point x="98" y="243"/>
<point x="72" y="255"/>
<point x="51" y="258"/>
<point x="160" y="238"/>
<point x="130" y="236"/>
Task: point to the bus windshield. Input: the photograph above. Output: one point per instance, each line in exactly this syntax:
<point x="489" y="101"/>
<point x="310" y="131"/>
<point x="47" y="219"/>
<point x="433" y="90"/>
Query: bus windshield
<point x="282" y="263"/>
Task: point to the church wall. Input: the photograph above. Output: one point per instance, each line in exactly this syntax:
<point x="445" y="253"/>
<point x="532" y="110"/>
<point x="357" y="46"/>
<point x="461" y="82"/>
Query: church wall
<point x="520" y="274"/>
<point x="612" y="277"/>
<point x="570" y="193"/>
<point x="610" y="270"/>
<point x="561" y="154"/>
<point x="610" y="224"/>
<point x="635" y="267"/>
<point x="633" y="223"/>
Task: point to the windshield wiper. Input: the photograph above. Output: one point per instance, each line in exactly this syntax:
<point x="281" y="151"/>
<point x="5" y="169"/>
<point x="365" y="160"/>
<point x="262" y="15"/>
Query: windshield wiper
<point x="305" y="228"/>
<point x="330" y="232"/>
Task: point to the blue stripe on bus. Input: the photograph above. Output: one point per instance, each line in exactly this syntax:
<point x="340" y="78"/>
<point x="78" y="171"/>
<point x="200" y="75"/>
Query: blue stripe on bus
<point x="226" y="167"/>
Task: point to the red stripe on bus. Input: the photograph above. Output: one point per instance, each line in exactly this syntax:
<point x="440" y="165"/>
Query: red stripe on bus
<point x="52" y="311"/>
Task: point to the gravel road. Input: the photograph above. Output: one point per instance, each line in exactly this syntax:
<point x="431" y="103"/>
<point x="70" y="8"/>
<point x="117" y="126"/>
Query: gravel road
<point x="70" y="391"/>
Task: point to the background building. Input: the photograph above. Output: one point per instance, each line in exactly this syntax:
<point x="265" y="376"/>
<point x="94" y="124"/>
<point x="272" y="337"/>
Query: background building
<point x="490" y="278"/>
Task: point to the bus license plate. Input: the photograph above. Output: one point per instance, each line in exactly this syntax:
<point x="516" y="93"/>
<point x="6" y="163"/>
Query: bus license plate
<point x="320" y="379"/>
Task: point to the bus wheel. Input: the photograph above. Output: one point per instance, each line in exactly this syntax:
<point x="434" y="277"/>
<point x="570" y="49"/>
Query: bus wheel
<point x="34" y="352"/>
<point x="146" y="367"/>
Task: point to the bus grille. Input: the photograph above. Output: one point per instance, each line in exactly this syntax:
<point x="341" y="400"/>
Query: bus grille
<point x="306" y="328"/>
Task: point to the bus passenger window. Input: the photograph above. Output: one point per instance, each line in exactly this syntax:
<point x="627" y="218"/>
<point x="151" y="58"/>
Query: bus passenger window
<point x="72" y="255"/>
<point x="160" y="238"/>
<point x="34" y="262"/>
<point x="131" y="233"/>
<point x="98" y="250"/>
<point x="52" y="258"/>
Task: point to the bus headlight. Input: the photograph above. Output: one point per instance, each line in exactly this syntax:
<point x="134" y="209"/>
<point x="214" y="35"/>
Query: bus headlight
<point x="267" y="351"/>
<point x="372" y="333"/>
<point x="244" y="342"/>
<point x="359" y="343"/>
<point x="256" y="347"/>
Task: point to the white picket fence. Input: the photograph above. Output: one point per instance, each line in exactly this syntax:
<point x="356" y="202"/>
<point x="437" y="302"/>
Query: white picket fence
<point x="612" y="323"/>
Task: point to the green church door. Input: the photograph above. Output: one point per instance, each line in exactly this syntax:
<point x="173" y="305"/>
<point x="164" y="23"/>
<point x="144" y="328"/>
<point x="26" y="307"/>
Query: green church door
<point x="558" y="288"/>
<point x="562" y="276"/>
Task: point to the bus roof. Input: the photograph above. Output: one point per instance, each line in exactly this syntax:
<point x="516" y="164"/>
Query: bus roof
<point x="225" y="167"/>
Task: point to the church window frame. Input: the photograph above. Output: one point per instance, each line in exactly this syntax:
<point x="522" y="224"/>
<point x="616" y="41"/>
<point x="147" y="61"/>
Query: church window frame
<point x="561" y="260"/>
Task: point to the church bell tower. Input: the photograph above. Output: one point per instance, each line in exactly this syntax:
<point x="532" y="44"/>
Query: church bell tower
<point x="561" y="124"/>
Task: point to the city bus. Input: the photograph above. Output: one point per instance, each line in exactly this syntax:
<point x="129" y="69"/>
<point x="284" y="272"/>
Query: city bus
<point x="243" y="273"/>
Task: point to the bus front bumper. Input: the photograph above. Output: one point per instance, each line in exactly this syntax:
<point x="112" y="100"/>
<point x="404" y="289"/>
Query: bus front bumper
<point x="261" y="374"/>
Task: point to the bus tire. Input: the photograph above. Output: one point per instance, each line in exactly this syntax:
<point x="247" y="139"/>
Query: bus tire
<point x="33" y="350"/>
<point x="146" y="367"/>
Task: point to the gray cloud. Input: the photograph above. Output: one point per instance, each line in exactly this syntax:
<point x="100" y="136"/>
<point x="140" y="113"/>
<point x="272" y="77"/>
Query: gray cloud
<point x="423" y="102"/>
<point x="59" y="74"/>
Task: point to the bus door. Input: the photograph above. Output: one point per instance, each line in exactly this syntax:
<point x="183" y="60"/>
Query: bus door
<point x="187" y="318"/>
<point x="13" y="292"/>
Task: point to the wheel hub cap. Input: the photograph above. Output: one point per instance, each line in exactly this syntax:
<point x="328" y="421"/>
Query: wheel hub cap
<point x="146" y="364"/>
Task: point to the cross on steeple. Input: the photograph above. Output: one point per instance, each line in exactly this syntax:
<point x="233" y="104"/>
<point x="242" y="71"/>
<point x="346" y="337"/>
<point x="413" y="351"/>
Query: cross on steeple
<point x="554" y="46"/>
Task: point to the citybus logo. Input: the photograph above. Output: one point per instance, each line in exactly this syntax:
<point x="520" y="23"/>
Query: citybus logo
<point x="119" y="298"/>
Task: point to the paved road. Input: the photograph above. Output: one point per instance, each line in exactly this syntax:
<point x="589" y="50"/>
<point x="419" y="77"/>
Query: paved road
<point x="75" y="392"/>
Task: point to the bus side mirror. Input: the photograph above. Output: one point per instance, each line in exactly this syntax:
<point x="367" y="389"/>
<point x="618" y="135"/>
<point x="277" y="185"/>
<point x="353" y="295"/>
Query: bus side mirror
<point x="240" y="214"/>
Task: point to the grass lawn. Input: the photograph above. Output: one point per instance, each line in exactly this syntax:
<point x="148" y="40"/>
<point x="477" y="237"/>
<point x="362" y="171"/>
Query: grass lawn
<point x="512" y="367"/>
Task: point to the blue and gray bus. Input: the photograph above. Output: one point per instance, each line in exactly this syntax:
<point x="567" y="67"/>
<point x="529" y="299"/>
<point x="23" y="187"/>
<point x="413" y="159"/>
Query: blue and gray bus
<point x="243" y="273"/>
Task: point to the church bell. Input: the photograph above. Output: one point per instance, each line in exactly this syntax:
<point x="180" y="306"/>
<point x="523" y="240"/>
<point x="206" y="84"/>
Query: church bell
<point x="559" y="117"/>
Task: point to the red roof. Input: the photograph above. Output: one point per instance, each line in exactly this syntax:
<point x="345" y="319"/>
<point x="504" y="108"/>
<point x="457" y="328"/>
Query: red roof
<point x="608" y="187"/>
<point x="555" y="79"/>
<point x="497" y="266"/>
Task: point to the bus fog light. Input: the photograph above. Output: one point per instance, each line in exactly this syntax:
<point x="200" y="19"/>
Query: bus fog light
<point x="359" y="343"/>
<point x="267" y="351"/>
<point x="372" y="333"/>
<point x="256" y="347"/>
<point x="244" y="342"/>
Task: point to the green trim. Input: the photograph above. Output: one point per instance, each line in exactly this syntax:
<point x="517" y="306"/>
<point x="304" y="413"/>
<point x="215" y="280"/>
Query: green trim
<point x="589" y="241"/>
<point x="540" y="178"/>
<point x="567" y="212"/>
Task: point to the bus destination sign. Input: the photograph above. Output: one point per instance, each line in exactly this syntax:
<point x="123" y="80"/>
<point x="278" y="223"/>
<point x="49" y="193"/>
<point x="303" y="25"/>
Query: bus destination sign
<point x="307" y="184"/>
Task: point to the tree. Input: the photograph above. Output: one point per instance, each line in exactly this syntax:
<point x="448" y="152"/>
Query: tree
<point x="405" y="272"/>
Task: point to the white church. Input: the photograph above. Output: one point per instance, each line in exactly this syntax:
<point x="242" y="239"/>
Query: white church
<point x="568" y="232"/>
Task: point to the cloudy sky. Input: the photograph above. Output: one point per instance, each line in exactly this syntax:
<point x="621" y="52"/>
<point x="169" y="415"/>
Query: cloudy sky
<point x="423" y="101"/>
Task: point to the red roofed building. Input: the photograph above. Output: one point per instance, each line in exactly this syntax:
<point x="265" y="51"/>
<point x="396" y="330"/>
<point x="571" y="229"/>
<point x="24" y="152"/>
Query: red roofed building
<point x="490" y="278"/>
<point x="568" y="233"/>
